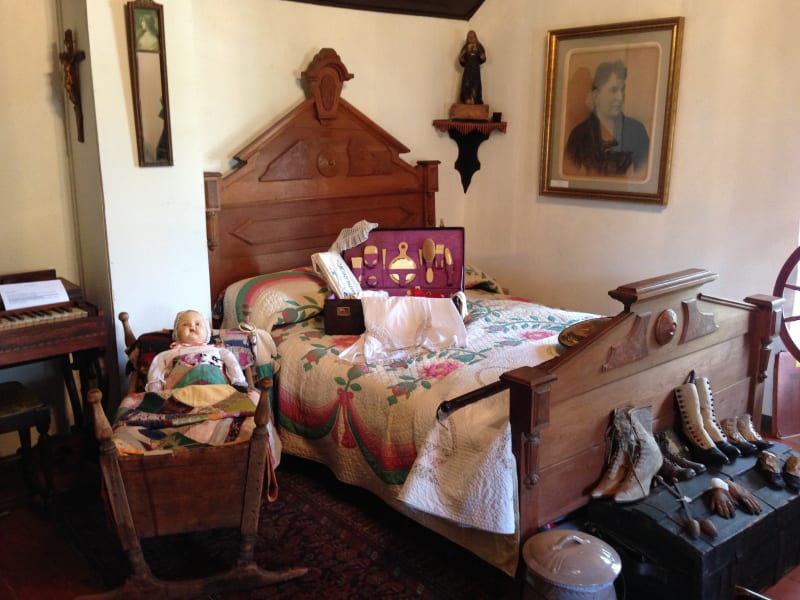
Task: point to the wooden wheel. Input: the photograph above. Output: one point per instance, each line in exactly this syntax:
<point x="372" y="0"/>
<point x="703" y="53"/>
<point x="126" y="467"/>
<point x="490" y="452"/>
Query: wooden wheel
<point x="787" y="286"/>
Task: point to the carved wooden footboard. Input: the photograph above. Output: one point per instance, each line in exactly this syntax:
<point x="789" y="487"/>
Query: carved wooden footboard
<point x="560" y="409"/>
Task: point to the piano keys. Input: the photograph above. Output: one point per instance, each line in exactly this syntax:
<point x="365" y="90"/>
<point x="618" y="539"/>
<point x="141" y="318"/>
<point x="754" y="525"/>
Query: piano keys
<point x="39" y="316"/>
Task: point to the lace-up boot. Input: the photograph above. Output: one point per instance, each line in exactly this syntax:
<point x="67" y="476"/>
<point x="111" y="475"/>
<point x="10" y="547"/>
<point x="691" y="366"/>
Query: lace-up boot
<point x="646" y="459"/>
<point x="619" y="445"/>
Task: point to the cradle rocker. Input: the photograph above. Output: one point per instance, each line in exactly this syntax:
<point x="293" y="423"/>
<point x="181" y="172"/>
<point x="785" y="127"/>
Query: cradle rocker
<point x="220" y="486"/>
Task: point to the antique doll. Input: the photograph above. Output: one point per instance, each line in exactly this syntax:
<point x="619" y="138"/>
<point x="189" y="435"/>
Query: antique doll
<point x="191" y="351"/>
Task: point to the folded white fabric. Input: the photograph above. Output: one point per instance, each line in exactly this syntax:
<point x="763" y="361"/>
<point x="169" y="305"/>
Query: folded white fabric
<point x="400" y="327"/>
<point x="350" y="237"/>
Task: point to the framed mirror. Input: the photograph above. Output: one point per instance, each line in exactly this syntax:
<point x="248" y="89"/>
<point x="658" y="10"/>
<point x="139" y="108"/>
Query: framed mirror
<point x="144" y="21"/>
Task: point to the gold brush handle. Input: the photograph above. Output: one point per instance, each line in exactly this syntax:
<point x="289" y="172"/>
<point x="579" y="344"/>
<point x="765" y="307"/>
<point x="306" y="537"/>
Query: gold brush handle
<point x="448" y="261"/>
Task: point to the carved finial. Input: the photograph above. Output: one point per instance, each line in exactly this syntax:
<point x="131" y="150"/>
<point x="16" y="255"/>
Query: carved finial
<point x="325" y="77"/>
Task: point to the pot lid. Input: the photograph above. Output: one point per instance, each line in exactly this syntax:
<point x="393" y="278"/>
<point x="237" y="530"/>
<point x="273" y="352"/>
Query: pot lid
<point x="570" y="557"/>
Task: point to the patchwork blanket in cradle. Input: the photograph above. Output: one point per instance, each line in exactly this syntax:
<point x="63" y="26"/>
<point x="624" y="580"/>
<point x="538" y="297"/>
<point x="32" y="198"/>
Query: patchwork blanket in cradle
<point x="188" y="417"/>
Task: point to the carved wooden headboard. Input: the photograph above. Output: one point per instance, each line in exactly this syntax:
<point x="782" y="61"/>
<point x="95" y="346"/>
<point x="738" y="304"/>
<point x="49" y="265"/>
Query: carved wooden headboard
<point x="323" y="167"/>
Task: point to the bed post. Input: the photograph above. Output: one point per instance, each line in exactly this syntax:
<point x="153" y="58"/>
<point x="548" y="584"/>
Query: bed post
<point x="529" y="413"/>
<point x="768" y="315"/>
<point x="430" y="183"/>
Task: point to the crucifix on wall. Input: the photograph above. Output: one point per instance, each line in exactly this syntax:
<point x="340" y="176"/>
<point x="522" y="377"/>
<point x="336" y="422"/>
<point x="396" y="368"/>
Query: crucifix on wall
<point x="69" y="60"/>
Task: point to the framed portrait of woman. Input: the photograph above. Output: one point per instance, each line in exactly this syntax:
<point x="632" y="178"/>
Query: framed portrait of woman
<point x="146" y="24"/>
<point x="610" y="101"/>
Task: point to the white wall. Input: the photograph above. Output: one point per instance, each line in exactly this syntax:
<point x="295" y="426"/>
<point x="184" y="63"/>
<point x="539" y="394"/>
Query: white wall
<point x="154" y="216"/>
<point x="732" y="201"/>
<point x="37" y="228"/>
<point x="405" y="67"/>
<point x="732" y="206"/>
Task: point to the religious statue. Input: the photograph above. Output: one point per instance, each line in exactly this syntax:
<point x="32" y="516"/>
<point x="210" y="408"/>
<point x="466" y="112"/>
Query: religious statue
<point x="470" y="106"/>
<point x="471" y="57"/>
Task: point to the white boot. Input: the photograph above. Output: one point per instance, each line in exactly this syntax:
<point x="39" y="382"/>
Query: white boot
<point x="702" y="446"/>
<point x="706" y="398"/>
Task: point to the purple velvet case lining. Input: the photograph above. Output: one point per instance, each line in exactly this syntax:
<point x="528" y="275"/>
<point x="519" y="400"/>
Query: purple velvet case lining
<point x="400" y="260"/>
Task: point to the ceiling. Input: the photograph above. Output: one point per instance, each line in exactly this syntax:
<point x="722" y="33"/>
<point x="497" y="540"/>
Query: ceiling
<point x="447" y="9"/>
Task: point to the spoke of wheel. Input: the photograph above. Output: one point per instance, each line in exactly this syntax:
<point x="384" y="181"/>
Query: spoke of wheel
<point x="788" y="281"/>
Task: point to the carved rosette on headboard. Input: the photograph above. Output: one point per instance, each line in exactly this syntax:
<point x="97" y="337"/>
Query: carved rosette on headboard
<point x="321" y="168"/>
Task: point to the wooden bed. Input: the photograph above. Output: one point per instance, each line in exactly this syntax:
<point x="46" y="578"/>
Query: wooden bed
<point x="325" y="166"/>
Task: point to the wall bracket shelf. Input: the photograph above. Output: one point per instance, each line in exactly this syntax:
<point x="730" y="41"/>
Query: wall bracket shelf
<point x="468" y="135"/>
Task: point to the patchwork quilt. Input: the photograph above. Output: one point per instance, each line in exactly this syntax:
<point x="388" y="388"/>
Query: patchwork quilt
<point x="199" y="409"/>
<point x="188" y="417"/>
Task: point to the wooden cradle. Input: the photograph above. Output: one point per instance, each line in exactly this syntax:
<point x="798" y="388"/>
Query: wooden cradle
<point x="325" y="166"/>
<point x="187" y="490"/>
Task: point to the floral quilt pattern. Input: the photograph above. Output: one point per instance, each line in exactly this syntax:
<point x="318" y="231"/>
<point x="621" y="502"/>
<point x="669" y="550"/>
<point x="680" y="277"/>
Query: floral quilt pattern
<point x="365" y="413"/>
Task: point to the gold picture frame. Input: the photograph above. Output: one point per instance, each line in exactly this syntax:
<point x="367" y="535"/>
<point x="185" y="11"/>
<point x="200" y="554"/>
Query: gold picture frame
<point x="609" y="112"/>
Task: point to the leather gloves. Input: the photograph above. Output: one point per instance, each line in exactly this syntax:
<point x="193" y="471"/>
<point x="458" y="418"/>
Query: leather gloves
<point x="721" y="501"/>
<point x="725" y="495"/>
<point x="742" y="495"/>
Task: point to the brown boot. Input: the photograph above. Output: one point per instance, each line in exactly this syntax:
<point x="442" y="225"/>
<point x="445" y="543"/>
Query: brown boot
<point x="770" y="466"/>
<point x="682" y="461"/>
<point x="731" y="429"/>
<point x="677" y="451"/>
<point x="619" y="445"/>
<point x="646" y="460"/>
<point x="744" y="424"/>
<point x="671" y="471"/>
<point x="791" y="472"/>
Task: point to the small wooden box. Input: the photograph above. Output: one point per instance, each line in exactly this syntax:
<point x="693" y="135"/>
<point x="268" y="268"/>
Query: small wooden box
<point x="343" y="317"/>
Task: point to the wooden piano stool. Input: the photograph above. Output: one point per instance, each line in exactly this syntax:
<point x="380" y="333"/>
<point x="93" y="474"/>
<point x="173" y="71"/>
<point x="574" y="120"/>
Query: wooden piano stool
<point x="21" y="409"/>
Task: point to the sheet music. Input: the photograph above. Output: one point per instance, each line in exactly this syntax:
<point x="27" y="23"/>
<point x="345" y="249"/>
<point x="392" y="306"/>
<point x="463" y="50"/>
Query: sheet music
<point x="33" y="293"/>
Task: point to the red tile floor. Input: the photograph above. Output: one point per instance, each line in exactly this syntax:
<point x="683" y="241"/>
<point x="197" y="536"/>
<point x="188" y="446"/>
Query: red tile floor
<point x="37" y="562"/>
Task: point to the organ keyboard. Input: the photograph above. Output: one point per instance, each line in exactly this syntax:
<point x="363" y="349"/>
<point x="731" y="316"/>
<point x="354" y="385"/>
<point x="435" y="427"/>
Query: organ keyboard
<point x="73" y="329"/>
<point x="40" y="315"/>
